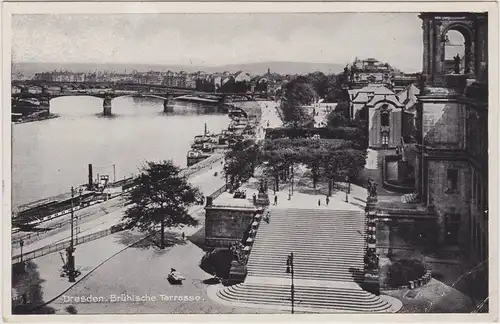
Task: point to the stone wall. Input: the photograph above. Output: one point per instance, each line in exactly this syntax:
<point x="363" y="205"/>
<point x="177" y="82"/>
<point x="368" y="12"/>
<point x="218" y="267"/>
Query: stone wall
<point x="225" y="226"/>
<point x="443" y="124"/>
<point x="446" y="201"/>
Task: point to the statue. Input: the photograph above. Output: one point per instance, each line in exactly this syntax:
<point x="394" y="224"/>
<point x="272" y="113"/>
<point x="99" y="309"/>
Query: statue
<point x="371" y="262"/>
<point x="372" y="188"/>
<point x="456" y="64"/>
<point x="346" y="70"/>
<point x="262" y="187"/>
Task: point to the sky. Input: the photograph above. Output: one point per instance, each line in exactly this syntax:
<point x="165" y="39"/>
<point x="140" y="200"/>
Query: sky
<point x="219" y="39"/>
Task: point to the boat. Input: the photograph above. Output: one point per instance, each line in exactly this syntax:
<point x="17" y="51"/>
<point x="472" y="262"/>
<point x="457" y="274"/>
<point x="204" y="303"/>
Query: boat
<point x="207" y="147"/>
<point x="175" y="277"/>
<point x="195" y="156"/>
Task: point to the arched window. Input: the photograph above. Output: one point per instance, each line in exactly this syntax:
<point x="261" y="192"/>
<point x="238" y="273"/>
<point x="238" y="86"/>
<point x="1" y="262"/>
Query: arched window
<point x="454" y="49"/>
<point x="384" y="118"/>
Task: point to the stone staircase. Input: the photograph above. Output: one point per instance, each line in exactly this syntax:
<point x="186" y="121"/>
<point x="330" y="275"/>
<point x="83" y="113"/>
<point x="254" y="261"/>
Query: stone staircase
<point x="328" y="248"/>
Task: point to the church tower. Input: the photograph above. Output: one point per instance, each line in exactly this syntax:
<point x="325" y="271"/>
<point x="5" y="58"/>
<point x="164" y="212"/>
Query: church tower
<point x="435" y="28"/>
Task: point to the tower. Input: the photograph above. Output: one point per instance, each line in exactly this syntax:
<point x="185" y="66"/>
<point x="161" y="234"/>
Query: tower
<point x="472" y="26"/>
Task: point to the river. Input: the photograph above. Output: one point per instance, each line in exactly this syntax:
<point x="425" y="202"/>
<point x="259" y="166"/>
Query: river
<point x="52" y="155"/>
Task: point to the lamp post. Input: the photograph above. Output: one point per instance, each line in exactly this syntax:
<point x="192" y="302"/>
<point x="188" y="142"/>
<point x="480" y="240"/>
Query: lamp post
<point x="289" y="269"/>
<point x="71" y="249"/>
<point x="21" y="244"/>
<point x="347" y="188"/>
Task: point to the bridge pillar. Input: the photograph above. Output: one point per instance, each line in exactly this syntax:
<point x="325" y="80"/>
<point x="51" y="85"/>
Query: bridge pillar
<point x="168" y="105"/>
<point x="106" y="106"/>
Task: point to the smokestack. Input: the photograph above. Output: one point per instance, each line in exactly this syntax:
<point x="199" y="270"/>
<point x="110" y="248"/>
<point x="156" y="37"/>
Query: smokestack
<point x="91" y="180"/>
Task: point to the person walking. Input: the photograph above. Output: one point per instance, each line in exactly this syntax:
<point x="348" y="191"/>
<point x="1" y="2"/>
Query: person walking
<point x="275" y="200"/>
<point x="254" y="199"/>
<point x="327" y="200"/>
<point x="319" y="202"/>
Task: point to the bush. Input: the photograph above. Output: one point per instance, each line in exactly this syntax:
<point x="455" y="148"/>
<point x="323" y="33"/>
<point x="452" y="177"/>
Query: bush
<point x="217" y="263"/>
<point x="405" y="270"/>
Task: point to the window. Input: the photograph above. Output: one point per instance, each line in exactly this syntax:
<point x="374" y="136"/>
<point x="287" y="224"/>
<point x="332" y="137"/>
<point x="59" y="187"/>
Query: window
<point x="452" y="177"/>
<point x="384" y="119"/>
<point x="385" y="139"/>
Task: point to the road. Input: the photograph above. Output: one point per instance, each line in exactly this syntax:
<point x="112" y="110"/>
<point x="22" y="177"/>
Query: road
<point x="102" y="216"/>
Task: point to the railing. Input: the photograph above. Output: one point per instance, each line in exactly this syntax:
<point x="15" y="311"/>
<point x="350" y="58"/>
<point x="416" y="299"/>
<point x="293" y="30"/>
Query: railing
<point x="200" y="165"/>
<point x="64" y="245"/>
<point x="218" y="192"/>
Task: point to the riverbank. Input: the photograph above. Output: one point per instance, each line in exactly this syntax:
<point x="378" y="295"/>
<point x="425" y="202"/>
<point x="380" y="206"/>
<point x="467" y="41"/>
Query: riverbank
<point x="30" y="119"/>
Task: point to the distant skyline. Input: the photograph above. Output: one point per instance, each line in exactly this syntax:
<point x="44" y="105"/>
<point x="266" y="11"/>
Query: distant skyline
<point x="219" y="39"/>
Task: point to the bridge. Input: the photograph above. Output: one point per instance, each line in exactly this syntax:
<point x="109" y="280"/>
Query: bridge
<point x="44" y="91"/>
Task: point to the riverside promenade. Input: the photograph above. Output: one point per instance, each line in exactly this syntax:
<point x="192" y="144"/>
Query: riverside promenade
<point x="126" y="262"/>
<point x="91" y="254"/>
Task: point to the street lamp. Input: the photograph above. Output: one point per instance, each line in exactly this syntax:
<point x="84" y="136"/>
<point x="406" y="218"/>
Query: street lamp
<point x="71" y="249"/>
<point x="289" y="269"/>
<point x="21" y="243"/>
<point x="347" y="188"/>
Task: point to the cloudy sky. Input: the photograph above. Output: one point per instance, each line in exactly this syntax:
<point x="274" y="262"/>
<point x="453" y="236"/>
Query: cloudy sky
<point x="211" y="39"/>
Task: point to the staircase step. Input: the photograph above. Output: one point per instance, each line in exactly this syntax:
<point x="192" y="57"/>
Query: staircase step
<point x="328" y="246"/>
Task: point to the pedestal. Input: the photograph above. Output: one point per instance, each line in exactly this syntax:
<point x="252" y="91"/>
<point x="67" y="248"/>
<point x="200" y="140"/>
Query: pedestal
<point x="237" y="273"/>
<point x="262" y="200"/>
<point x="372" y="283"/>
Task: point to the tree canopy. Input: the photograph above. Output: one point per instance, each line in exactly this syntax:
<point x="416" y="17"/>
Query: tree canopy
<point x="296" y="94"/>
<point x="161" y="197"/>
<point x="241" y="161"/>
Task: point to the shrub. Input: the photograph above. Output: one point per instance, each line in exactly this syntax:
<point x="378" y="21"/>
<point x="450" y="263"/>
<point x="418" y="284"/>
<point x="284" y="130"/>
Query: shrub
<point x="405" y="270"/>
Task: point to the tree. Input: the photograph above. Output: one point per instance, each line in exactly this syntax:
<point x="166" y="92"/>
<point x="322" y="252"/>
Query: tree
<point x="241" y="161"/>
<point x="161" y="197"/>
<point x="335" y="119"/>
<point x="296" y="94"/>
<point x="343" y="161"/>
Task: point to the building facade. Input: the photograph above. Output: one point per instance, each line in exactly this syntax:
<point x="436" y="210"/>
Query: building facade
<point x="452" y="134"/>
<point x="369" y="72"/>
<point x="389" y="114"/>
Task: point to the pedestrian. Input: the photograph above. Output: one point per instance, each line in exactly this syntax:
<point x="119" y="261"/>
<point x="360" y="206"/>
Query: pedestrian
<point x="327" y="200"/>
<point x="267" y="218"/>
<point x="254" y="198"/>
<point x="275" y="200"/>
<point x="319" y="202"/>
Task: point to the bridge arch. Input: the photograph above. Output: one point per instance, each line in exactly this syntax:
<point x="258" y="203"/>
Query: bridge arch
<point x="109" y="97"/>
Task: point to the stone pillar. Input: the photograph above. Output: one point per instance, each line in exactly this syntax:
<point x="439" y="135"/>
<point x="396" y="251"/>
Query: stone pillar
<point x="107" y="106"/>
<point x="439" y="56"/>
<point x="167" y="104"/>
<point x="371" y="282"/>
<point x="432" y="52"/>
<point x="425" y="30"/>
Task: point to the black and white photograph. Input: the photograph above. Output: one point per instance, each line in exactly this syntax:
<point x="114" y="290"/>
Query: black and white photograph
<point x="250" y="162"/>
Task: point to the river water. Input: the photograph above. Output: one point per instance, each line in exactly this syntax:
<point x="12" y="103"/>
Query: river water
<point x="52" y="155"/>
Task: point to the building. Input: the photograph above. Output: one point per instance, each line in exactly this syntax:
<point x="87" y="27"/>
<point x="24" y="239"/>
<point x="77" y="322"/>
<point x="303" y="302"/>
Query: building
<point x="16" y="89"/>
<point x="34" y="89"/>
<point x="452" y="133"/>
<point x="402" y="81"/>
<point x="53" y="90"/>
<point x="369" y="72"/>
